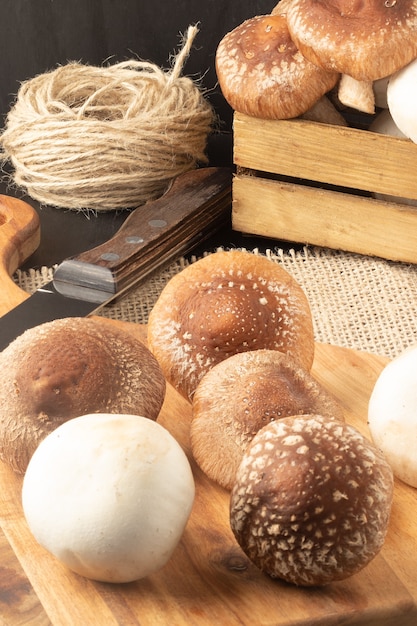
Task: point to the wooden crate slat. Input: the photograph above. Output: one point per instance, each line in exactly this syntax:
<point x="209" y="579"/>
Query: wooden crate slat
<point x="334" y="155"/>
<point x="325" y="218"/>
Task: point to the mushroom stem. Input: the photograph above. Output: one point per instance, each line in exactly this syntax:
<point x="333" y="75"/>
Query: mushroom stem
<point x="380" y="87"/>
<point x="325" y="112"/>
<point x="356" y="94"/>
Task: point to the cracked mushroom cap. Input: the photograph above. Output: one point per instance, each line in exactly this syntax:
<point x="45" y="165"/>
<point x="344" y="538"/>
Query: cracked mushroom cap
<point x="225" y="303"/>
<point x="312" y="500"/>
<point x="242" y="394"/>
<point x="367" y="39"/>
<point x="69" y="367"/>
<point x="262" y="73"/>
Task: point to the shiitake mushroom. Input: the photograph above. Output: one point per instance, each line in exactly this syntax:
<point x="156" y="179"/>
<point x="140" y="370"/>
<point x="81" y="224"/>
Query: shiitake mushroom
<point x="69" y="367"/>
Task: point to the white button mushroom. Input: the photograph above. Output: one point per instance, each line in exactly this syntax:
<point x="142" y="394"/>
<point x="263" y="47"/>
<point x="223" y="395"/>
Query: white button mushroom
<point x="109" y="496"/>
<point x="402" y="99"/>
<point x="392" y="415"/>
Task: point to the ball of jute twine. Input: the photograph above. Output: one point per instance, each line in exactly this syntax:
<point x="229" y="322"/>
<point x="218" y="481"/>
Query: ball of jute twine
<point x="102" y="138"/>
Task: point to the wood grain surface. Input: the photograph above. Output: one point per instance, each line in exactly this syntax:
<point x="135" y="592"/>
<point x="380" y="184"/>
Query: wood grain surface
<point x="19" y="237"/>
<point x="308" y="183"/>
<point x="209" y="580"/>
<point x="326" y="153"/>
<point x="324" y="217"/>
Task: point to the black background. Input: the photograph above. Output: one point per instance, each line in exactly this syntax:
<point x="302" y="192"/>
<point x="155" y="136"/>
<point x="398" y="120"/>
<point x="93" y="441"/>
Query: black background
<point x="37" y="35"/>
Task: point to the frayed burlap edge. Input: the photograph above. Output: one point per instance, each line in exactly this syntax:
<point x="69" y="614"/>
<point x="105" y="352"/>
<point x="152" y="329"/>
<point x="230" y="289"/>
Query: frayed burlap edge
<point x="359" y="302"/>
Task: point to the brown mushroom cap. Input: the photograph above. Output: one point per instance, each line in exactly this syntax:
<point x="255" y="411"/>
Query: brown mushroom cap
<point x="242" y="394"/>
<point x="262" y="74"/>
<point x="312" y="500"/>
<point x="281" y="7"/>
<point x="225" y="303"/>
<point x="67" y="368"/>
<point x="368" y="40"/>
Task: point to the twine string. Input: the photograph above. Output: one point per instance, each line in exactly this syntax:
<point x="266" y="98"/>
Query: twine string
<point x="103" y="138"/>
<point x="183" y="54"/>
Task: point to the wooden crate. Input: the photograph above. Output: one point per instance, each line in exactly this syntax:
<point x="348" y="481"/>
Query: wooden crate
<point x="311" y="183"/>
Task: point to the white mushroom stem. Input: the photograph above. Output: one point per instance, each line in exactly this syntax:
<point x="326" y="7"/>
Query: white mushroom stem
<point x="324" y="111"/>
<point x="380" y="92"/>
<point x="356" y="94"/>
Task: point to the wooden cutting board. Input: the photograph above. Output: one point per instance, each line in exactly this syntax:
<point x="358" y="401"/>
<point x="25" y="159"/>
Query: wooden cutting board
<point x="209" y="580"/>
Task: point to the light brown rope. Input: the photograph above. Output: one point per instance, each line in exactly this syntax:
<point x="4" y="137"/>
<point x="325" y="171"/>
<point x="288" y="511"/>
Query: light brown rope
<point x="106" y="137"/>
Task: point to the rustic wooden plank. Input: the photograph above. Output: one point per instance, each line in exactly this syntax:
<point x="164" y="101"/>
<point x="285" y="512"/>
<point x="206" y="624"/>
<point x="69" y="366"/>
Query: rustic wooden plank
<point x="19" y="604"/>
<point x="335" y="155"/>
<point x="209" y="580"/>
<point x="331" y="219"/>
<point x="19" y="237"/>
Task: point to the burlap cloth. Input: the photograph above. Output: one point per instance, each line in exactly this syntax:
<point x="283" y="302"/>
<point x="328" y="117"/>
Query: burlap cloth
<point x="356" y="301"/>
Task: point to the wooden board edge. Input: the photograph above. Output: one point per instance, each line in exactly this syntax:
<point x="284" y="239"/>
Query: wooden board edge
<point x="341" y="221"/>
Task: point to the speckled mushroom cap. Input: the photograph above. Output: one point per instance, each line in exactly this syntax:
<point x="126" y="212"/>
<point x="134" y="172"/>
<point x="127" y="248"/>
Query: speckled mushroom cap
<point x="239" y="396"/>
<point x="312" y="500"/>
<point x="262" y="73"/>
<point x="367" y="40"/>
<point x="225" y="303"/>
<point x="66" y="368"/>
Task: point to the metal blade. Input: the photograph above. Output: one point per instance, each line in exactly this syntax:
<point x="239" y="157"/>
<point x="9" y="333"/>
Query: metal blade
<point x="45" y="305"/>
